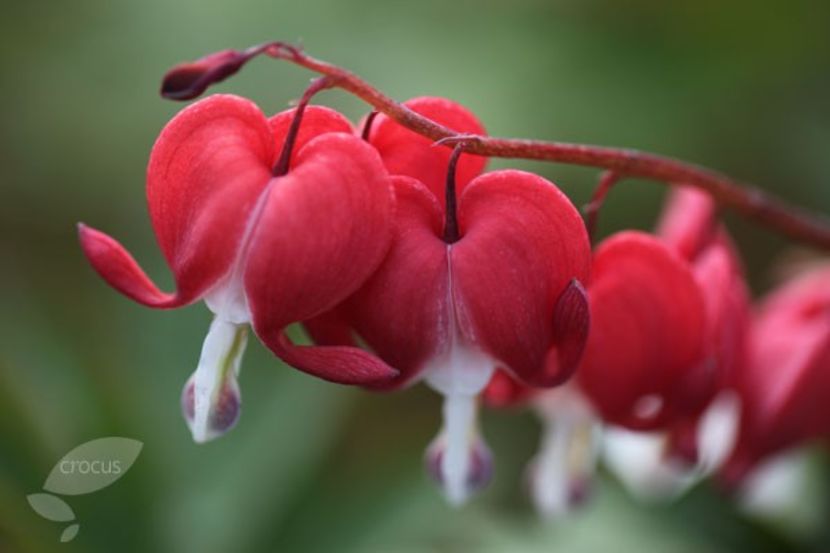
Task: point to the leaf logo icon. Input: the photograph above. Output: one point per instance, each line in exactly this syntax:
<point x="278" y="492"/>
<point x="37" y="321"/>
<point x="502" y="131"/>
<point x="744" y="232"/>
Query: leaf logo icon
<point x="88" y="468"/>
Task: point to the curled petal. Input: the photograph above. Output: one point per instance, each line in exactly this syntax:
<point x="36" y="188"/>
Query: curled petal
<point x="322" y="230"/>
<point x="522" y="243"/>
<point x="409" y="154"/>
<point x="340" y="364"/>
<point x="571" y="321"/>
<point x="647" y="331"/>
<point x="688" y="221"/>
<point x="120" y="270"/>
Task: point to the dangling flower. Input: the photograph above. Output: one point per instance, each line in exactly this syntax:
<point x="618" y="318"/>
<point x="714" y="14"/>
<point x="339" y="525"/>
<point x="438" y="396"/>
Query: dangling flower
<point x="268" y="226"/>
<point x="663" y="459"/>
<point x="560" y="476"/>
<point x="491" y="281"/>
<point x="667" y="317"/>
<point x="783" y="386"/>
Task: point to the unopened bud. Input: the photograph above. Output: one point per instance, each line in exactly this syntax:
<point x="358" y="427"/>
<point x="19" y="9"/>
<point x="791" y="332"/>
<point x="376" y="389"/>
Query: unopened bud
<point x="188" y="80"/>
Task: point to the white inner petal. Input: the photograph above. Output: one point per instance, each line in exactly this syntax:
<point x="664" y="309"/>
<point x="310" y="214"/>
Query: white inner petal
<point x="227" y="300"/>
<point x="638" y="460"/>
<point x="225" y="342"/>
<point x="568" y="452"/>
<point x="778" y="486"/>
<point x="718" y="431"/>
<point x="459" y="374"/>
<point x="220" y="360"/>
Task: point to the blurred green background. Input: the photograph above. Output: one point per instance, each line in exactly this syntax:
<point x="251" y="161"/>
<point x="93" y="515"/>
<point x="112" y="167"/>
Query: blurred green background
<point x="739" y="86"/>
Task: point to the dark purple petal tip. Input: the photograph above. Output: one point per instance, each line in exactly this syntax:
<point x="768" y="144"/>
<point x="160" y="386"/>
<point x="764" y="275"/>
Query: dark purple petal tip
<point x="189" y="80"/>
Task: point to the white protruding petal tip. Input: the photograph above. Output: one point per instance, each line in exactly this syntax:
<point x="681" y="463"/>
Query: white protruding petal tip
<point x="223" y="413"/>
<point x="458" y="459"/>
<point x="211" y="399"/>
<point x="561" y="474"/>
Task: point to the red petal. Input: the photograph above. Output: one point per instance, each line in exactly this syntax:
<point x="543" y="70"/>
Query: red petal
<point x="504" y="391"/>
<point x="406" y="153"/>
<point x="726" y="299"/>
<point x="323" y="229"/>
<point x="317" y="120"/>
<point x="206" y="171"/>
<point x="522" y="243"/>
<point x="401" y="312"/>
<point x="647" y="330"/>
<point x="688" y="221"/>
<point x="571" y="322"/>
<point x="330" y="329"/>
<point x="340" y="364"/>
<point x="784" y="384"/>
<point x="119" y="269"/>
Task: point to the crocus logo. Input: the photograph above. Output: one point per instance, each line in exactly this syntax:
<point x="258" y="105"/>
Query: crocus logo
<point x="87" y="468"/>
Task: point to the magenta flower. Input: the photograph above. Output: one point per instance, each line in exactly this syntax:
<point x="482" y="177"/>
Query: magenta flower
<point x="668" y="318"/>
<point x="266" y="227"/>
<point x="783" y="387"/>
<point x="491" y="282"/>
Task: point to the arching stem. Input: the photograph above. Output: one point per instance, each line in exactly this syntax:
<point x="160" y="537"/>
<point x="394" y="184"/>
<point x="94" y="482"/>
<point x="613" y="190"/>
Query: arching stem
<point x="752" y="202"/>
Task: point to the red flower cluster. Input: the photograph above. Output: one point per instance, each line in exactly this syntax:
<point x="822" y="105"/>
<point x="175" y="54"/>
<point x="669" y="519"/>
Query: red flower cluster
<point x="686" y="379"/>
<point x="406" y="262"/>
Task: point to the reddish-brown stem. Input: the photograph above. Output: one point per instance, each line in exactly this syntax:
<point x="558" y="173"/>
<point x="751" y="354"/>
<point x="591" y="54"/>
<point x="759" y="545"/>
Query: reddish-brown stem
<point x="591" y="209"/>
<point x="451" y="233"/>
<point x="750" y="201"/>
<point x="281" y="167"/>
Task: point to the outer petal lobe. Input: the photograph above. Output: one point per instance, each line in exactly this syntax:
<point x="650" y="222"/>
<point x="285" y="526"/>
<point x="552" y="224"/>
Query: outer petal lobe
<point x="647" y="331"/>
<point x="206" y="171"/>
<point x="407" y="153"/>
<point x="402" y="311"/>
<point x="323" y="229"/>
<point x="317" y="120"/>
<point x="522" y="244"/>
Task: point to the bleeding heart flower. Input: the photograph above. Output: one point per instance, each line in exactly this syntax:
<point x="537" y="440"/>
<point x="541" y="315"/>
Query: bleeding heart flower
<point x="697" y="426"/>
<point x="783" y="386"/>
<point x="268" y="226"/>
<point x="493" y="281"/>
<point x="667" y="326"/>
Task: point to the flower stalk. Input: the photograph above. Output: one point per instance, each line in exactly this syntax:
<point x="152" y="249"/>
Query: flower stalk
<point x="750" y="201"/>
